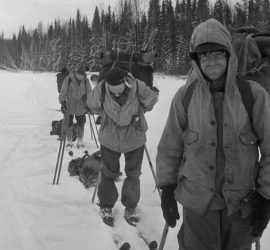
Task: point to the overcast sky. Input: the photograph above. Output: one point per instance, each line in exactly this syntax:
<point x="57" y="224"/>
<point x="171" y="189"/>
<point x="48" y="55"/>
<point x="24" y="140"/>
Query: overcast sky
<point x="15" y="13"/>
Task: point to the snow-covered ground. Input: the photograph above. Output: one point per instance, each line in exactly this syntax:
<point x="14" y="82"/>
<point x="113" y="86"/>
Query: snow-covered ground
<point x="36" y="215"/>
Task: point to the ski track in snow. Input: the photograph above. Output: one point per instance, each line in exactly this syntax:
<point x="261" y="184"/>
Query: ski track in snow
<point x="36" y="215"/>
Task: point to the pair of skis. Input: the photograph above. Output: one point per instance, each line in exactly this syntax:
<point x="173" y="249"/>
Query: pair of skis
<point x="152" y="245"/>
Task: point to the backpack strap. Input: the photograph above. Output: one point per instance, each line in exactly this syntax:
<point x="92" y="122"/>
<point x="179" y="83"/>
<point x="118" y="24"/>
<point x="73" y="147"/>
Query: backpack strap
<point x="103" y="91"/>
<point x="244" y="89"/>
<point x="189" y="94"/>
<point x="246" y="95"/>
<point x="69" y="81"/>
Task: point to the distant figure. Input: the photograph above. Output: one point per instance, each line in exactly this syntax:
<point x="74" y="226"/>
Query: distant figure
<point x="78" y="85"/>
<point x="60" y="77"/>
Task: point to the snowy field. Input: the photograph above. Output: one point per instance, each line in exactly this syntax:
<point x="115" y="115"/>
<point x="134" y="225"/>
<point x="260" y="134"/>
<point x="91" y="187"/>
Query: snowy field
<point x="36" y="215"/>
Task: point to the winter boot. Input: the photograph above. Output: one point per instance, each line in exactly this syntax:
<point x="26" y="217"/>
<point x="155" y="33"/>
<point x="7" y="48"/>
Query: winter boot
<point x="69" y="143"/>
<point x="131" y="216"/>
<point x="106" y="215"/>
<point x="69" y="137"/>
<point x="80" y="143"/>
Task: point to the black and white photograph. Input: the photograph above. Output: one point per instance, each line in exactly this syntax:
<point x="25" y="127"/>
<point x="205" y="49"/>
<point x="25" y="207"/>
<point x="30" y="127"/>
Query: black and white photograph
<point x="135" y="124"/>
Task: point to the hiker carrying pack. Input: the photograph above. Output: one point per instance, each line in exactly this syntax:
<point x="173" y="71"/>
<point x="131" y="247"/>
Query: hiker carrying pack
<point x="60" y="77"/>
<point x="252" y="48"/>
<point x="79" y="85"/>
<point x="122" y="131"/>
<point x="208" y="156"/>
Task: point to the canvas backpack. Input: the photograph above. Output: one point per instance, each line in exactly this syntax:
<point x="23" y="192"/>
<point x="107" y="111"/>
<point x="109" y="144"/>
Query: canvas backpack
<point x="252" y="48"/>
<point x="57" y="129"/>
<point x="137" y="63"/>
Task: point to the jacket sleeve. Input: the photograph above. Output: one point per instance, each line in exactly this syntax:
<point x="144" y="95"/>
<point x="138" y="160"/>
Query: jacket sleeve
<point x="64" y="90"/>
<point x="94" y="99"/>
<point x="261" y="125"/>
<point x="148" y="97"/>
<point x="171" y="146"/>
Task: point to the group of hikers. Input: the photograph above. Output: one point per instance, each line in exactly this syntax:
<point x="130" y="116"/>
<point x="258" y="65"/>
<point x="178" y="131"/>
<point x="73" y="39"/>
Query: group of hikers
<point x="212" y="157"/>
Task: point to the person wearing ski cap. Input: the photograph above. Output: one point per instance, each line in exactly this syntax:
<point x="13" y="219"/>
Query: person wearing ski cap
<point x="208" y="155"/>
<point x="78" y="85"/>
<point x="121" y="100"/>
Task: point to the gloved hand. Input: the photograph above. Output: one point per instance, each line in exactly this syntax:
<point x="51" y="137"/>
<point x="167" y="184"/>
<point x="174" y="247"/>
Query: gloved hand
<point x="169" y="205"/>
<point x="64" y="107"/>
<point x="260" y="216"/>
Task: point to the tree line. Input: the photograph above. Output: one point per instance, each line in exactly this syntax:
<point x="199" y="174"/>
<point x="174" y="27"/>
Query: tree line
<point x="77" y="41"/>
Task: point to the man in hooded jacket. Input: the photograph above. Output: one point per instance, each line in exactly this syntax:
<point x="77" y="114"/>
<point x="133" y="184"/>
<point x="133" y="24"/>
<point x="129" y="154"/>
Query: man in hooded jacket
<point x="76" y="86"/>
<point x="208" y="158"/>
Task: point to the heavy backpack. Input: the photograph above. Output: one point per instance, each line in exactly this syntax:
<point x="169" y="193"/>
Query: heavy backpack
<point x="140" y="64"/>
<point x="253" y="52"/>
<point x="57" y="127"/>
<point x="86" y="168"/>
<point x="137" y="63"/>
<point x="252" y="48"/>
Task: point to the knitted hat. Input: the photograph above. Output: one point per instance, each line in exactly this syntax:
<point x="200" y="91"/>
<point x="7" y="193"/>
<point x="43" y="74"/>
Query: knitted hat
<point x="81" y="70"/>
<point x="116" y="76"/>
<point x="204" y="47"/>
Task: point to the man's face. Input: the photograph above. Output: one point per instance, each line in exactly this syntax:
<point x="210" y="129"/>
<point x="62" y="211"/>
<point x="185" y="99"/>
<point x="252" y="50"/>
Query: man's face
<point x="213" y="64"/>
<point x="117" y="90"/>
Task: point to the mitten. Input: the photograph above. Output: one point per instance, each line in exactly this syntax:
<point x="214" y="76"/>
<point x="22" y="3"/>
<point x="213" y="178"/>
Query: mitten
<point x="169" y="205"/>
<point x="261" y="215"/>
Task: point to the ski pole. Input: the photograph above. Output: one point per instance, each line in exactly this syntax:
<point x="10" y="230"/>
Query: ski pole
<point x="60" y="149"/>
<point x="166" y="227"/>
<point x="92" y="130"/>
<point x="95" y="123"/>
<point x="96" y="187"/>
<point x="151" y="167"/>
<point x="258" y="245"/>
<point x="62" y="142"/>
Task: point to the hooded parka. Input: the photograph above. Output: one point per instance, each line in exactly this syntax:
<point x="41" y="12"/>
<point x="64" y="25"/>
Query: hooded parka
<point x="187" y="149"/>
<point x="78" y="86"/>
<point x="123" y="128"/>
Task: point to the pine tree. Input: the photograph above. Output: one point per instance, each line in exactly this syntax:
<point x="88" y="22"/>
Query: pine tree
<point x="218" y="11"/>
<point x="202" y="10"/>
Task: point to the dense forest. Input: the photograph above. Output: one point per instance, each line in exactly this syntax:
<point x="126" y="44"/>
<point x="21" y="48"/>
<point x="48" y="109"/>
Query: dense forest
<point x="76" y="40"/>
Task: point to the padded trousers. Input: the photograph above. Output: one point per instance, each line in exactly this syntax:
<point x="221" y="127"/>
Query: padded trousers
<point x="215" y="231"/>
<point x="107" y="191"/>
